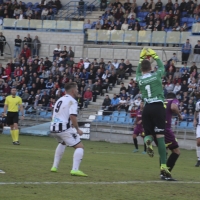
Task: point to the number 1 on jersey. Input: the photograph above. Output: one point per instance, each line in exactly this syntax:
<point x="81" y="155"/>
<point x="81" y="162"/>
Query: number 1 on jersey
<point x="148" y="89"/>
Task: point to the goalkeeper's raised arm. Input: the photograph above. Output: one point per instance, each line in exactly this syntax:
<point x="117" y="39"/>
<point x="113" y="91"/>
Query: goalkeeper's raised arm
<point x="142" y="57"/>
<point x="154" y="55"/>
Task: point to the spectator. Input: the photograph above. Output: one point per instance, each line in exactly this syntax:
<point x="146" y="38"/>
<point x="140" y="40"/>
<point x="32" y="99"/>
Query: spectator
<point x="115" y="64"/>
<point x="29" y="41"/>
<point x="2" y="43"/>
<point x="81" y="7"/>
<point x="120" y="72"/>
<point x="42" y="4"/>
<point x="80" y="101"/>
<point x="86" y="64"/>
<point x="17" y="48"/>
<point x="193" y="67"/>
<point x="177" y="88"/>
<point x="151" y="5"/>
<point x="50" y="15"/>
<point x="114" y="103"/>
<point x="184" y="27"/>
<point x="169" y="6"/>
<point x="29" y="12"/>
<point x="158" y="6"/>
<point x="184" y="68"/>
<point x="124" y="26"/>
<point x="26" y="53"/>
<point x="44" y="14"/>
<point x="56" y="52"/>
<point x="182" y="6"/>
<point x="96" y="90"/>
<point x="36" y="46"/>
<point x="106" y="103"/>
<point x="145" y="6"/>
<point x="49" y="84"/>
<point x="186" y="50"/>
<point x="87" y="97"/>
<point x="197" y="52"/>
<point x="87" y="25"/>
<point x="98" y="26"/>
<point x="70" y="53"/>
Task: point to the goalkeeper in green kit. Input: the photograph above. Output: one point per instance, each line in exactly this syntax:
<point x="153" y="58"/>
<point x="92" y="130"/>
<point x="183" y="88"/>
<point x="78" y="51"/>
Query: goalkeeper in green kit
<point x="153" y="116"/>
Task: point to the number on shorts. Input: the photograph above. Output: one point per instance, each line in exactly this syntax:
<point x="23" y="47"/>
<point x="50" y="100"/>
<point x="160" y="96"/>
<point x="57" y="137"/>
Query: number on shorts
<point x="58" y="106"/>
<point x="148" y="89"/>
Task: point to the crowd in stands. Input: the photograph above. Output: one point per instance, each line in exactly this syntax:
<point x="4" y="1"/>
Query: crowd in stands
<point x="40" y="81"/>
<point x="153" y="16"/>
<point x="19" y="10"/>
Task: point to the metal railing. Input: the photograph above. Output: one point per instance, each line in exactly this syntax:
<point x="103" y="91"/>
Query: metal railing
<point x="70" y="10"/>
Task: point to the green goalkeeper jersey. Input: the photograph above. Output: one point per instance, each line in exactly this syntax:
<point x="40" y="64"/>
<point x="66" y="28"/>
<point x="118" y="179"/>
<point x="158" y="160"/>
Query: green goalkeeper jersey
<point x="150" y="84"/>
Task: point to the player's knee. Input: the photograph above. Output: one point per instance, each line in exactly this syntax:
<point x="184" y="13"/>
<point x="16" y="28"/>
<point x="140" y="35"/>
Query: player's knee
<point x="134" y="136"/>
<point x="80" y="145"/>
<point x="176" y="151"/>
<point x="198" y="142"/>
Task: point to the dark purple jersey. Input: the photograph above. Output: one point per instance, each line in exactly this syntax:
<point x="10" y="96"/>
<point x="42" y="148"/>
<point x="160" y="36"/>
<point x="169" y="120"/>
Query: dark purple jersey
<point x="169" y="112"/>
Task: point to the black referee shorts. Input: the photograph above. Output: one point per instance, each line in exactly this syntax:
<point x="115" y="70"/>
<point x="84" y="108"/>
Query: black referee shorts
<point x="12" y="117"/>
<point x="153" y="118"/>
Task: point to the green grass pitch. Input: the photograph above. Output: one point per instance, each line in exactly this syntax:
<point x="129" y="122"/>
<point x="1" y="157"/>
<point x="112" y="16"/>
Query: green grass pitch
<point x="105" y="163"/>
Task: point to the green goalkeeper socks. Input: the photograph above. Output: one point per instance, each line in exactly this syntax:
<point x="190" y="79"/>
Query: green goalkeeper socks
<point x="162" y="150"/>
<point x="148" y="137"/>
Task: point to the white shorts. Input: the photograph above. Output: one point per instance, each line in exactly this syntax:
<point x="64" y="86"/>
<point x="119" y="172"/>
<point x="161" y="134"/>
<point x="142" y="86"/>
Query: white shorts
<point x="70" y="137"/>
<point x="198" y="131"/>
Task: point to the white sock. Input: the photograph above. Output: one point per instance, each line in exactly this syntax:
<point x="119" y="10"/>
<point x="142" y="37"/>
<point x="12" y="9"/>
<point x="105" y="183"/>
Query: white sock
<point x="198" y="152"/>
<point x="78" y="155"/>
<point x="58" y="154"/>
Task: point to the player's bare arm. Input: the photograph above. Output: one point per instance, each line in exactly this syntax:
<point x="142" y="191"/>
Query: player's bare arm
<point x="195" y="118"/>
<point x="175" y="109"/>
<point x="5" y="109"/>
<point x="22" y="111"/>
<point x="73" y="119"/>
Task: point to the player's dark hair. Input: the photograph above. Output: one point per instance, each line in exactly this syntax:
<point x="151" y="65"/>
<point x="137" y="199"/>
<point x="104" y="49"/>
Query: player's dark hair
<point x="69" y="86"/>
<point x="145" y="66"/>
<point x="171" y="95"/>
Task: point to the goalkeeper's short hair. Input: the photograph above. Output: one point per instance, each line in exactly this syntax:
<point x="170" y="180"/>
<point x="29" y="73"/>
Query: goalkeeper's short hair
<point x="145" y="66"/>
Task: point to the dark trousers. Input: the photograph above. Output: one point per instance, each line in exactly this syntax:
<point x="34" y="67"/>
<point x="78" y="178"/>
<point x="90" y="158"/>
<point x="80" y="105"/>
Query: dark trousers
<point x="95" y="96"/>
<point x="185" y="57"/>
<point x="1" y="50"/>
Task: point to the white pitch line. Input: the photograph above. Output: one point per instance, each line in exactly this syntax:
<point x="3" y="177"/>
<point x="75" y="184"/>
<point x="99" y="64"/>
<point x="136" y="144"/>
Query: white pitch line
<point x="97" y="183"/>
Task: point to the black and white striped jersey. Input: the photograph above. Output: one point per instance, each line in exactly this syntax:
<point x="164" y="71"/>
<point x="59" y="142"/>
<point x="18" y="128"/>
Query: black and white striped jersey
<point x="64" y="107"/>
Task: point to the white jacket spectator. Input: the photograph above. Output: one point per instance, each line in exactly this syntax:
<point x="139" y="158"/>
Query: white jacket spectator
<point x="115" y="64"/>
<point x="45" y="12"/>
<point x="124" y="26"/>
<point x="86" y="63"/>
<point x="29" y="12"/>
<point x="87" y="25"/>
<point x="169" y="86"/>
<point x="177" y="88"/>
<point x="137" y="101"/>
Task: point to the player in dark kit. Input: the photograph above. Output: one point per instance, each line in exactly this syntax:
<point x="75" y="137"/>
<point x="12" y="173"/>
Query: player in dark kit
<point x="153" y="115"/>
<point x="138" y="129"/>
<point x="170" y="139"/>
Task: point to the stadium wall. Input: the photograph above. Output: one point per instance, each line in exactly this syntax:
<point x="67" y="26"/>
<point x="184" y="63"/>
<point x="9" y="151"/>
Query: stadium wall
<point x="49" y="41"/>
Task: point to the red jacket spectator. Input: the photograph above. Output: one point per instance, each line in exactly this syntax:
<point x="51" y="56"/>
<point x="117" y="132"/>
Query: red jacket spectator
<point x="133" y="112"/>
<point x="8" y="70"/>
<point x="6" y="89"/>
<point x="80" y="64"/>
<point x="17" y="72"/>
<point x="40" y="68"/>
<point x="87" y="94"/>
<point x="25" y="52"/>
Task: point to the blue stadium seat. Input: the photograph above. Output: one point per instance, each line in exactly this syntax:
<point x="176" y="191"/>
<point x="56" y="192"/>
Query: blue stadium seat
<point x="43" y="113"/>
<point x="190" y="125"/>
<point x="1" y="110"/>
<point x="121" y="120"/>
<point x="48" y="115"/>
<point x="184" y="19"/>
<point x="106" y="119"/>
<point x="128" y="120"/>
<point x="182" y="125"/>
<point x="122" y="114"/>
<point x="115" y="113"/>
<point x="99" y="118"/>
<point x="190" y="20"/>
<point x="113" y="119"/>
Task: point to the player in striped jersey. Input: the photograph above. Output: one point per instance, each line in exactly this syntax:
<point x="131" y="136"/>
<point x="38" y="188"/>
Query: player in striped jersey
<point x="65" y="129"/>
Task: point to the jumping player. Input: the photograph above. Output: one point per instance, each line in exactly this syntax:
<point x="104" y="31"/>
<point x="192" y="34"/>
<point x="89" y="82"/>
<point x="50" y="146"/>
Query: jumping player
<point x="197" y="110"/>
<point x="170" y="139"/>
<point x="153" y="116"/>
<point x="138" y="129"/>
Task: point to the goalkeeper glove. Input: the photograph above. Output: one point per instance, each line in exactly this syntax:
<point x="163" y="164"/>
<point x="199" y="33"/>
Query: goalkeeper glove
<point x="152" y="53"/>
<point x="143" y="54"/>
